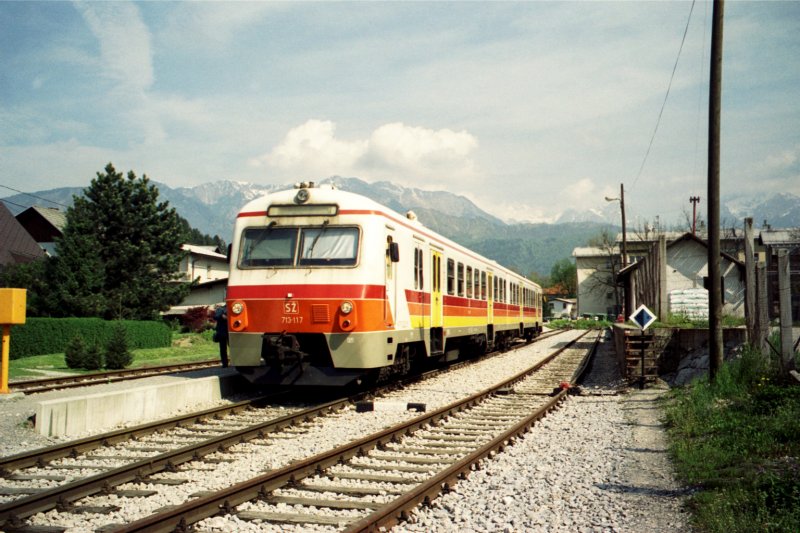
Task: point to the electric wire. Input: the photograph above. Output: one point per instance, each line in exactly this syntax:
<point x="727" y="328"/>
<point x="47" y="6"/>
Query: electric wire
<point x="666" y="96"/>
<point x="32" y="196"/>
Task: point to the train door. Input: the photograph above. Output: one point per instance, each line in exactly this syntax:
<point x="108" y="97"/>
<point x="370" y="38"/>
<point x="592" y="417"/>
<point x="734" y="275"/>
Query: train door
<point x="390" y="280"/>
<point x="437" y="303"/>
<point x="490" y="284"/>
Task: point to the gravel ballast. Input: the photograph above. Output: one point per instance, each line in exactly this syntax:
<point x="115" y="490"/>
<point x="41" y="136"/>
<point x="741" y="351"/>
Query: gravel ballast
<point x="596" y="464"/>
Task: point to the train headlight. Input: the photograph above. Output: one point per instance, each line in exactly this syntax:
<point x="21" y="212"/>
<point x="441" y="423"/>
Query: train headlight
<point x="302" y="196"/>
<point x="237" y="308"/>
<point x="346" y="308"/>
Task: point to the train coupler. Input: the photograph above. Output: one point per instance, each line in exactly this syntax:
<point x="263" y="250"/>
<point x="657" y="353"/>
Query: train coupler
<point x="281" y="349"/>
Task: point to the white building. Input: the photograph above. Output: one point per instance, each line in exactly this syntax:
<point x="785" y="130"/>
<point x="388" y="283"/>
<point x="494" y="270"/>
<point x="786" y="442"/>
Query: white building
<point x="597" y="294"/>
<point x="203" y="263"/>
<point x="563" y="307"/>
<point x="210" y="268"/>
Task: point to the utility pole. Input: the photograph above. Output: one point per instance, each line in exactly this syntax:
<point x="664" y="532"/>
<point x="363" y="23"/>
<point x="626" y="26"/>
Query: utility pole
<point x="624" y="238"/>
<point x="694" y="200"/>
<point x="715" y="345"/>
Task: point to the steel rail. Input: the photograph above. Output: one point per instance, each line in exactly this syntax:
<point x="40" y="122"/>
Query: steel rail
<point x="62" y="496"/>
<point x="396" y="511"/>
<point x="41" y="456"/>
<point x="179" y="518"/>
<point x="111" y="376"/>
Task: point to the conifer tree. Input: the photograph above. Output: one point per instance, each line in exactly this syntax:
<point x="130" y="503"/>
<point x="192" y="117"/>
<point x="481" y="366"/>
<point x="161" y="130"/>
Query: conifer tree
<point x="94" y="357"/>
<point x="117" y="354"/>
<point x="120" y="252"/>
<point x="75" y="352"/>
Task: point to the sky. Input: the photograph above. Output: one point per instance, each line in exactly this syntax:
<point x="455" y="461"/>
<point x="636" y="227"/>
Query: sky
<point x="526" y="108"/>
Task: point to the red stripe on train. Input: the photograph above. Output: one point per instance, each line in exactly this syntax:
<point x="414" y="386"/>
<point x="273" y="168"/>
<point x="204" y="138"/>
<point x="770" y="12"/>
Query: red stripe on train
<point x="356" y="292"/>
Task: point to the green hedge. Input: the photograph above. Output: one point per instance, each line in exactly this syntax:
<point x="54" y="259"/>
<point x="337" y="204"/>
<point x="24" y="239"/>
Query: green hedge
<point x="40" y="336"/>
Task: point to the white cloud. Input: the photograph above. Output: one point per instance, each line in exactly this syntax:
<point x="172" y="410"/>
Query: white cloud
<point x="124" y="41"/>
<point x="412" y="155"/>
<point x="312" y="148"/>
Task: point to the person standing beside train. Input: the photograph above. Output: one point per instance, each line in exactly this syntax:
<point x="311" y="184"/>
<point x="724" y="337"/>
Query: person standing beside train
<point x="221" y="333"/>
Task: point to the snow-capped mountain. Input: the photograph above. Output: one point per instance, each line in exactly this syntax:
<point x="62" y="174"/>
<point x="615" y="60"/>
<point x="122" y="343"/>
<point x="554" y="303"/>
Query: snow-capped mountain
<point x="778" y="210"/>
<point x="212" y="209"/>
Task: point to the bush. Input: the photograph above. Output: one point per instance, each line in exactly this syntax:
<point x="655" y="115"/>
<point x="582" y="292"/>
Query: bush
<point x="75" y="352"/>
<point x="40" y="336"/>
<point x="117" y="354"/>
<point x="195" y="319"/>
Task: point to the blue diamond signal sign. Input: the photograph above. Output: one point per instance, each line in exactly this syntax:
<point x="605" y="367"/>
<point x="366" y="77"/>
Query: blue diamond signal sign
<point x="643" y="317"/>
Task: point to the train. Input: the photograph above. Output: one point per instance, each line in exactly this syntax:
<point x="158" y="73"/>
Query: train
<point x="330" y="288"/>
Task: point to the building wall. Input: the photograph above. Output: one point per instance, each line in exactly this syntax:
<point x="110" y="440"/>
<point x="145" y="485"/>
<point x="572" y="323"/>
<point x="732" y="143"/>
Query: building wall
<point x="207" y="268"/>
<point x="561" y="309"/>
<point x="207" y="296"/>
<point x="595" y="293"/>
<point x="687" y="265"/>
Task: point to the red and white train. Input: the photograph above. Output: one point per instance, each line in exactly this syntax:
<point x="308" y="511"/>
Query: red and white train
<point x="328" y="287"/>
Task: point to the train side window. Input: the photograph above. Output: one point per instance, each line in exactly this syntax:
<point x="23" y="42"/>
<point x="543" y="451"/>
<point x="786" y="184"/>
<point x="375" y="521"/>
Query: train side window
<point x="416" y="268"/>
<point x="496" y="295"/>
<point x="469" y="282"/>
<point x="421" y="269"/>
<point x="476" y="283"/>
<point x="483" y="285"/>
<point x="460" y="279"/>
<point x="451" y="276"/>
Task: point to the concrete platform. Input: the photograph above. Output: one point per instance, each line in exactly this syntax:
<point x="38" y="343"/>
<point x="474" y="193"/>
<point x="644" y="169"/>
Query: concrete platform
<point x="136" y="402"/>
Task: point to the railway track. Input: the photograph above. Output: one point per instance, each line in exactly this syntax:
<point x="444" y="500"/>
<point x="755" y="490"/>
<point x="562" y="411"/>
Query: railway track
<point x="376" y="481"/>
<point x="111" y="376"/>
<point x="146" y="458"/>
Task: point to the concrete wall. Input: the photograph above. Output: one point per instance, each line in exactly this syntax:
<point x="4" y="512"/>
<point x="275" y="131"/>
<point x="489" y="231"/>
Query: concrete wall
<point x="685" y="356"/>
<point x="594" y="285"/>
<point x="78" y="415"/>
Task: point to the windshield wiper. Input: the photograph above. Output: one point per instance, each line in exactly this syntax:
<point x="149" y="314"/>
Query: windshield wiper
<point x="316" y="238"/>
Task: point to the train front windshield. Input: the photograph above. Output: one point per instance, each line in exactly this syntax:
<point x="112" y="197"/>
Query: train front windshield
<point x="299" y="246"/>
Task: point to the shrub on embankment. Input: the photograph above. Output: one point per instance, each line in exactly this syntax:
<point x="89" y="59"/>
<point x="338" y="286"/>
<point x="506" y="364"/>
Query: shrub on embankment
<point x="40" y="336"/>
<point x="736" y="442"/>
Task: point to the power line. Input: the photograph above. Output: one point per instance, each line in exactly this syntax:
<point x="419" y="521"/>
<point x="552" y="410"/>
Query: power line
<point x="666" y="96"/>
<point x="33" y="196"/>
<point x="13" y="203"/>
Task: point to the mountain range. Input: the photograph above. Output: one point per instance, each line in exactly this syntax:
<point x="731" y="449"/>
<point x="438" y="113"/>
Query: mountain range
<point x="525" y="247"/>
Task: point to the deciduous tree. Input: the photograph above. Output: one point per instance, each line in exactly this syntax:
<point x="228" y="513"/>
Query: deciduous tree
<point x="565" y="274"/>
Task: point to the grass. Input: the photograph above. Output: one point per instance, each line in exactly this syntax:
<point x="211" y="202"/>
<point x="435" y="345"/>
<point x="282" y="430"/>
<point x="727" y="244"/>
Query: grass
<point x="684" y="322"/>
<point x="185" y="347"/>
<point x="737" y="441"/>
<point x="581" y="323"/>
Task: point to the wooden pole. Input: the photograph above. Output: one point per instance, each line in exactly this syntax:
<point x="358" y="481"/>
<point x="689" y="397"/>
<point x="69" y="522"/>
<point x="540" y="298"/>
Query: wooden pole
<point x="750" y="282"/>
<point x="762" y="309"/>
<point x="785" y="296"/>
<point x="714" y="108"/>
<point x="624" y="234"/>
<point x="663" y="304"/>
